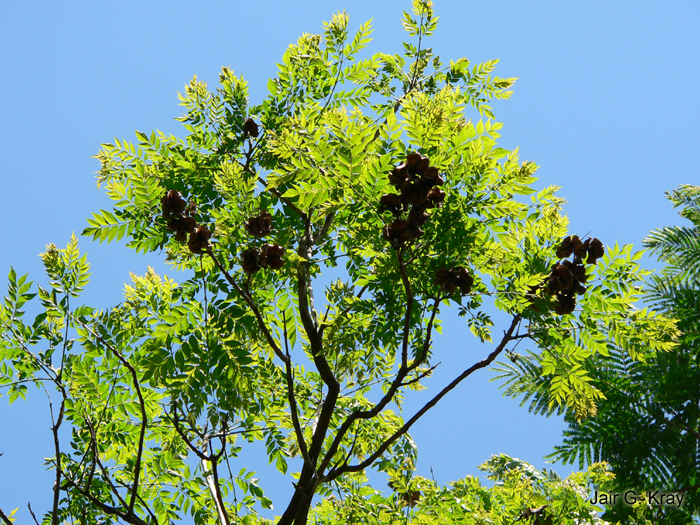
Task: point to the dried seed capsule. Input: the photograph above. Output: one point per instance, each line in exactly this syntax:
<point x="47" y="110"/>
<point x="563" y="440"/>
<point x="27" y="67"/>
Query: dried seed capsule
<point x="249" y="260"/>
<point x="271" y="256"/>
<point x="565" y="304"/>
<point x="595" y="251"/>
<point x="172" y="202"/>
<point x="566" y="248"/>
<point x="413" y="158"/>
<point x="418" y="216"/>
<point x="579" y="247"/>
<point x="390" y="202"/>
<point x="398" y="176"/>
<point x="260" y="225"/>
<point x="420" y="167"/>
<point x="199" y="239"/>
<point x="436" y="198"/>
<point x="463" y="280"/>
<point x="251" y="128"/>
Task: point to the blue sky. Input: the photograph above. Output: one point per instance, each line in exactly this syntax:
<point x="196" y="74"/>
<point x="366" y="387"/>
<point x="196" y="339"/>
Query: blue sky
<point x="605" y="103"/>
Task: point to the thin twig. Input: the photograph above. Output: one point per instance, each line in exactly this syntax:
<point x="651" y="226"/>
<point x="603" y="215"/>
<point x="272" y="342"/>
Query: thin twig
<point x="29" y="506"/>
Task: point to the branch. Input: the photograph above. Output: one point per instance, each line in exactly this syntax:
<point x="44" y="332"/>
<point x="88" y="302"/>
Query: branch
<point x="213" y="482"/>
<point x="56" y="424"/>
<point x="176" y="423"/>
<point x="409" y="309"/>
<point x="426" y="344"/>
<point x="29" y="506"/>
<point x="248" y="299"/>
<point x="420" y="376"/>
<point x="507" y="337"/>
<point x="293" y="402"/>
<point x="4" y="518"/>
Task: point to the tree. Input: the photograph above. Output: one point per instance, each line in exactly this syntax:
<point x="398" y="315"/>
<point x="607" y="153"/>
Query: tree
<point x="648" y="425"/>
<point x="373" y="164"/>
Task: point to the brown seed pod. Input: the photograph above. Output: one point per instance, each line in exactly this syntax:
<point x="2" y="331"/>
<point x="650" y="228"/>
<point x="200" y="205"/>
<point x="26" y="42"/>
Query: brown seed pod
<point x="172" y="202"/>
<point x="271" y="256"/>
<point x="410" y="498"/>
<point x="578" y="270"/>
<point x="181" y="225"/>
<point x="416" y="192"/>
<point x="566" y="278"/>
<point x="260" y="225"/>
<point x="199" y="239"/>
<point x="464" y="281"/>
<point x="433" y="175"/>
<point x="251" y="128"/>
<point x="390" y="202"/>
<point x="565" y="304"/>
<point x="398" y="176"/>
<point x="436" y="198"/>
<point x="400" y="232"/>
<point x="566" y="248"/>
<point x="595" y="251"/>
<point x="451" y="279"/>
<point x="579" y="247"/>
<point x="418" y="216"/>
<point x="249" y="260"/>
<point x="420" y="167"/>
<point x="413" y="158"/>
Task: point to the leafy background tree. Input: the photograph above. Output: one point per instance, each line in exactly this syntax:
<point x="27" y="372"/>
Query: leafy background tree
<point x="648" y="425"/>
<point x="57" y="196"/>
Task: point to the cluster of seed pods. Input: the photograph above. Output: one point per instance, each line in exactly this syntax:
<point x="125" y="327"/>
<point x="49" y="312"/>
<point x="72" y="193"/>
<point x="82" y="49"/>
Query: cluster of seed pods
<point x="268" y="255"/>
<point x="567" y="277"/>
<point x="418" y="185"/>
<point x="176" y="212"/>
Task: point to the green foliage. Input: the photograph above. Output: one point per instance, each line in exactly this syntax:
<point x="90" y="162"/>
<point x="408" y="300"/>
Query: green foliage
<point x="647" y="425"/>
<point x="521" y="494"/>
<point x="164" y="392"/>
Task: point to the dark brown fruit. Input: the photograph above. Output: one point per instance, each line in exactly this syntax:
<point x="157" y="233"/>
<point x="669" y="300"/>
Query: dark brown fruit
<point x="199" y="239"/>
<point x="398" y="176"/>
<point x="595" y="251"/>
<point x="271" y="256"/>
<point x="565" y="304"/>
<point x="249" y="260"/>
<point x="566" y="248"/>
<point x="390" y="202"/>
<point x="451" y="279"/>
<point x="418" y="216"/>
<point x="436" y="198"/>
<point x="172" y="202"/>
<point x="260" y="225"/>
<point x="413" y="158"/>
<point x="251" y="128"/>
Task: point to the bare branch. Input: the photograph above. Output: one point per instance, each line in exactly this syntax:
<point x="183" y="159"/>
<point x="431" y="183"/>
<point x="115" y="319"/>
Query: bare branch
<point x="55" y="425"/>
<point x="409" y="310"/>
<point x="507" y="336"/>
<point x="213" y="482"/>
<point x="426" y="344"/>
<point x="4" y="518"/>
<point x="29" y="506"/>
<point x="292" y="400"/>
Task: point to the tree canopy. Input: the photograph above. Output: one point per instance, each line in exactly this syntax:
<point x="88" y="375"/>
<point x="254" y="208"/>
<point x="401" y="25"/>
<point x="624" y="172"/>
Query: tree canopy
<point x="385" y="169"/>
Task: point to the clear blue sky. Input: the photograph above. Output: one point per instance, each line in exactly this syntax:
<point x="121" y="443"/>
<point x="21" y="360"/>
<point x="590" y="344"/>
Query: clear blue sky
<point x="606" y="104"/>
